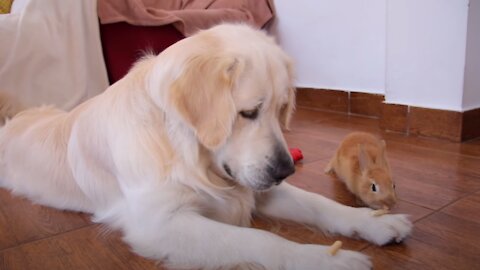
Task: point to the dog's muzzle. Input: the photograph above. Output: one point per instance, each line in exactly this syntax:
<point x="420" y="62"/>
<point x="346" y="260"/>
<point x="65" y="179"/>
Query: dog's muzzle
<point x="281" y="166"/>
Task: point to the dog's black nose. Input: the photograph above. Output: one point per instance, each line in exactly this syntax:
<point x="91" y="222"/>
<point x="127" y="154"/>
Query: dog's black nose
<point x="280" y="173"/>
<point x="281" y="168"/>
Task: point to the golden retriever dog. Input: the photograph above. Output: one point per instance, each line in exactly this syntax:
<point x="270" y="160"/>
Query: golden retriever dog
<point x="181" y="152"/>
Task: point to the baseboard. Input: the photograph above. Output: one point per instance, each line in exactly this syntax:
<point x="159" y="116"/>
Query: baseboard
<point x="366" y="104"/>
<point x="394" y="118"/>
<point x="409" y="120"/>
<point x="440" y="124"/>
<point x="340" y="101"/>
<point x="323" y="99"/>
<point x="471" y="124"/>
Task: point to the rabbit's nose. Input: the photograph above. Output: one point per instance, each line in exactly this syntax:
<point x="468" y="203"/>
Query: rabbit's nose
<point x="389" y="203"/>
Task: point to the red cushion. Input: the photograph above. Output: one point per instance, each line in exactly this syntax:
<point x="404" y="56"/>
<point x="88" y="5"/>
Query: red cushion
<point x="123" y="44"/>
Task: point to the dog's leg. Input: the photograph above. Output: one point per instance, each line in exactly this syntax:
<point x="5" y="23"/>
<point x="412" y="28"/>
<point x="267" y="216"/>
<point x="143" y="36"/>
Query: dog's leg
<point x="288" y="202"/>
<point x="182" y="238"/>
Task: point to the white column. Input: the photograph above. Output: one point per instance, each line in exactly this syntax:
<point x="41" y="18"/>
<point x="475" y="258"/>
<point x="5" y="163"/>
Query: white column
<point x="336" y="44"/>
<point x="426" y="41"/>
<point x="471" y="92"/>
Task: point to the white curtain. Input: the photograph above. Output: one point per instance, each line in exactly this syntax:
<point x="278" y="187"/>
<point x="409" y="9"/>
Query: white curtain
<point x="50" y="52"/>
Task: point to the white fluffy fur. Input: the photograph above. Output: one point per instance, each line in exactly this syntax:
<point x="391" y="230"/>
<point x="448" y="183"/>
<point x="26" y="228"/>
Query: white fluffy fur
<point x="146" y="157"/>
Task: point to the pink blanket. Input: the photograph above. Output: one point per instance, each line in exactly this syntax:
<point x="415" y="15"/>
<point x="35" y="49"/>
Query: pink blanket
<point x="188" y="16"/>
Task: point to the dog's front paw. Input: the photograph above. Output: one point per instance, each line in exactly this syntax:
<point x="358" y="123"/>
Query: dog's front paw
<point x="313" y="257"/>
<point x="384" y="229"/>
<point x="346" y="259"/>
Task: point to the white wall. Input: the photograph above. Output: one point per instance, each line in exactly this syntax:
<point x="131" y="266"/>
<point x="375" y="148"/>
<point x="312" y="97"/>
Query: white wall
<point x="426" y="42"/>
<point x="471" y="94"/>
<point x="336" y="44"/>
<point x="413" y="51"/>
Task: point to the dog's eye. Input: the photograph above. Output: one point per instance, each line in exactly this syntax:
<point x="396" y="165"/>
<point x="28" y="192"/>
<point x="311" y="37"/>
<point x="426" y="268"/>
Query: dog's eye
<point x="250" y="114"/>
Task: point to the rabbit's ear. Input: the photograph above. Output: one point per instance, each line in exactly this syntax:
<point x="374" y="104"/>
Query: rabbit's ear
<point x="363" y="159"/>
<point x="382" y="159"/>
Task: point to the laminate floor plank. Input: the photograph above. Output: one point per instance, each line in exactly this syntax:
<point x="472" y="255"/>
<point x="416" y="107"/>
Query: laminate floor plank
<point x="438" y="185"/>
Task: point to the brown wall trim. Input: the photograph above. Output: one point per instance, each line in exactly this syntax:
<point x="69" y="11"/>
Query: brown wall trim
<point x="416" y="121"/>
<point x="471" y="124"/>
<point x="340" y="101"/>
<point x="440" y="124"/>
<point x="366" y="104"/>
<point x="323" y="99"/>
<point x="394" y="118"/>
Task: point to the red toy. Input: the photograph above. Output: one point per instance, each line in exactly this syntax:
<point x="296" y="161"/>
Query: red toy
<point x="296" y="154"/>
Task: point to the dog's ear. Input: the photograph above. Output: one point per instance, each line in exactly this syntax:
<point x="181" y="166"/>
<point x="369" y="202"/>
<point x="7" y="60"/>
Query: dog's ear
<point x="202" y="95"/>
<point x="286" y="111"/>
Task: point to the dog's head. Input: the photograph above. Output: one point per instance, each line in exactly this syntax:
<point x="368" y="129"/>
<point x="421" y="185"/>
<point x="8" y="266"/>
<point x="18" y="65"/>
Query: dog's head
<point x="233" y="88"/>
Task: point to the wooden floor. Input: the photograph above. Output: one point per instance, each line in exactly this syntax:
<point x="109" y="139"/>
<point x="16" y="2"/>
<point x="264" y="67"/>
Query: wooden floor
<point x="438" y="184"/>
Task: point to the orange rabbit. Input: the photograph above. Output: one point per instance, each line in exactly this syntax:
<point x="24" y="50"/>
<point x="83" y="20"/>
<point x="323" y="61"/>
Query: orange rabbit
<point x="361" y="163"/>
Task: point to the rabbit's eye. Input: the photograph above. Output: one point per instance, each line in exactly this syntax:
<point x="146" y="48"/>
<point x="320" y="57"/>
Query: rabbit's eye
<point x="393" y="186"/>
<point x="374" y="188"/>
